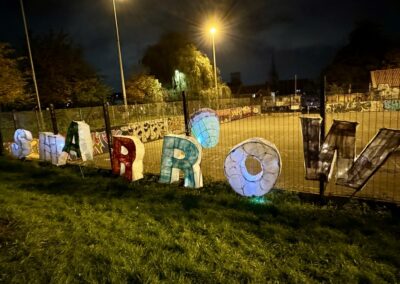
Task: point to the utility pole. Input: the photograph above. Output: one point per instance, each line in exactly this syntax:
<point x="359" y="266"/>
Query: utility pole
<point x="31" y="61"/>
<point x="121" y="68"/>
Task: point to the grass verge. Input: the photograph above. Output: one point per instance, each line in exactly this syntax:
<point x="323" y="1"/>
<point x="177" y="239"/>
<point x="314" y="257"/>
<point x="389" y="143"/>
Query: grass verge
<point x="56" y="226"/>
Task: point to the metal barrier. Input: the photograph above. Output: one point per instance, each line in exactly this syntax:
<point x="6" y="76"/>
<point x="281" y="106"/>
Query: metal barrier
<point x="240" y="119"/>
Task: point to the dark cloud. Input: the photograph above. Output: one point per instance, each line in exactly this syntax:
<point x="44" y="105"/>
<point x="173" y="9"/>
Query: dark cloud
<point x="302" y="34"/>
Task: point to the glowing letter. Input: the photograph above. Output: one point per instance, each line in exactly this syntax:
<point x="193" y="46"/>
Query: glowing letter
<point x="50" y="146"/>
<point x="21" y="148"/>
<point x="204" y="125"/>
<point x="237" y="173"/>
<point x="127" y="157"/>
<point x="181" y="153"/>
<point x="78" y="142"/>
<point x="351" y="172"/>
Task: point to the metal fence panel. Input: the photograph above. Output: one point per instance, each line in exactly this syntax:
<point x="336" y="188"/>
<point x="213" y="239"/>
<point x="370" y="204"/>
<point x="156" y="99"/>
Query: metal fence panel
<point x="240" y="119"/>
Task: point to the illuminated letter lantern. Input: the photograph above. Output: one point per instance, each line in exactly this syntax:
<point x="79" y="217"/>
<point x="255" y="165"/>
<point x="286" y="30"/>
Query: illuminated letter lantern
<point x="236" y="171"/>
<point x="50" y="146"/>
<point x="339" y="145"/>
<point x="21" y="148"/>
<point x="78" y="143"/>
<point x="183" y="153"/>
<point x="127" y="157"/>
<point x="204" y="125"/>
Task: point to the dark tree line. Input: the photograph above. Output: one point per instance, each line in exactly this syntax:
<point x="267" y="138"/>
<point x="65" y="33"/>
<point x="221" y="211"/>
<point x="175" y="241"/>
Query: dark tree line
<point x="369" y="48"/>
<point x="63" y="76"/>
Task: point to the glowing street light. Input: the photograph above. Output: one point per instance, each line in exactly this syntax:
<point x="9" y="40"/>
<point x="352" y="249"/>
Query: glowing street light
<point x="120" y="58"/>
<point x="213" y="30"/>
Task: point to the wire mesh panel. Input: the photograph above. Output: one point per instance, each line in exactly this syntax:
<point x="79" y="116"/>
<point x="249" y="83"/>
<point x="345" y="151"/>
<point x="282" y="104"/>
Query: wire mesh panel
<point x="371" y="112"/>
<point x="240" y="119"/>
<point x="7" y="130"/>
<point x="32" y="121"/>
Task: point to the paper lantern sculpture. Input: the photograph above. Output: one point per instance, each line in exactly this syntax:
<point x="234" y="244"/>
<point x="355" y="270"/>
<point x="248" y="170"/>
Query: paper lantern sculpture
<point x="263" y="153"/>
<point x="352" y="171"/>
<point x="78" y="142"/>
<point x="21" y="148"/>
<point x="50" y="146"/>
<point x="204" y="125"/>
<point x="183" y="153"/>
<point x="127" y="157"/>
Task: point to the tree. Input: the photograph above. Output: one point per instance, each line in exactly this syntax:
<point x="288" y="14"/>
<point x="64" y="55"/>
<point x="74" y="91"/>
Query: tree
<point x="62" y="73"/>
<point x="368" y="49"/>
<point x="144" y="88"/>
<point x="161" y="58"/>
<point x="90" y="92"/>
<point x="197" y="68"/>
<point x="174" y="52"/>
<point x="392" y="58"/>
<point x="12" y="79"/>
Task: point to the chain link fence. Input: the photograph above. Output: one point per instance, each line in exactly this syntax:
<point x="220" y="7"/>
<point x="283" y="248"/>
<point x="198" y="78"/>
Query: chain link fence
<point x="240" y="119"/>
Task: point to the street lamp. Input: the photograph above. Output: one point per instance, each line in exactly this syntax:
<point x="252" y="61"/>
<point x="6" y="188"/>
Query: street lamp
<point x="121" y="68"/>
<point x="213" y="30"/>
<point x="31" y="61"/>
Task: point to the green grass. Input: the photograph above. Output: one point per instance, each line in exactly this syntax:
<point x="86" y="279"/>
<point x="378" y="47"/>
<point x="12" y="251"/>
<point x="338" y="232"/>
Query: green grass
<point x="57" y="227"/>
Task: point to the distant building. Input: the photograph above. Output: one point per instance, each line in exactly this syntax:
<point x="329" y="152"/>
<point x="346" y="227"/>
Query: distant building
<point x="385" y="78"/>
<point x="283" y="98"/>
<point x="287" y="87"/>
<point x="386" y="83"/>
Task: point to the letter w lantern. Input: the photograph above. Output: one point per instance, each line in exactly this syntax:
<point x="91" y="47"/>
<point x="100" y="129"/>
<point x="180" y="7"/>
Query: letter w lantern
<point x="339" y="145"/>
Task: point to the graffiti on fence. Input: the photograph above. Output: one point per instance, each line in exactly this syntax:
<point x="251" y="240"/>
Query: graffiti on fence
<point x="176" y="125"/>
<point x="351" y="106"/>
<point x="100" y="143"/>
<point x="230" y="114"/>
<point x="152" y="130"/>
<point x="146" y="131"/>
<point x="391" y="105"/>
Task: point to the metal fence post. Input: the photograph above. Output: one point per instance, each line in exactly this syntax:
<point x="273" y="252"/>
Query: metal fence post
<point x="322" y="138"/>
<point x="38" y="120"/>
<point x="53" y="119"/>
<point x="15" y="119"/>
<point x="108" y="129"/>
<point x="185" y="114"/>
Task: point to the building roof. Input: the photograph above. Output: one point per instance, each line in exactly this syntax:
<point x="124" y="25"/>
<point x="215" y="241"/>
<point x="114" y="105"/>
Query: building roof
<point x="390" y="77"/>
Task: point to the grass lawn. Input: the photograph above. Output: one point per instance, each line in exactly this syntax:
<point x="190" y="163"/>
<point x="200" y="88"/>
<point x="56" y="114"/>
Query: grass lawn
<point x="57" y="227"/>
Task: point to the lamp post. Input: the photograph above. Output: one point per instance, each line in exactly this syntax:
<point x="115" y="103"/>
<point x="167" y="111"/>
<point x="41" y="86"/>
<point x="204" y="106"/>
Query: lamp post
<point x="31" y="61"/>
<point x="121" y="68"/>
<point x="213" y="30"/>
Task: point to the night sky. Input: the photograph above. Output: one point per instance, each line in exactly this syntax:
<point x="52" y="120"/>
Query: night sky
<point x="302" y="35"/>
